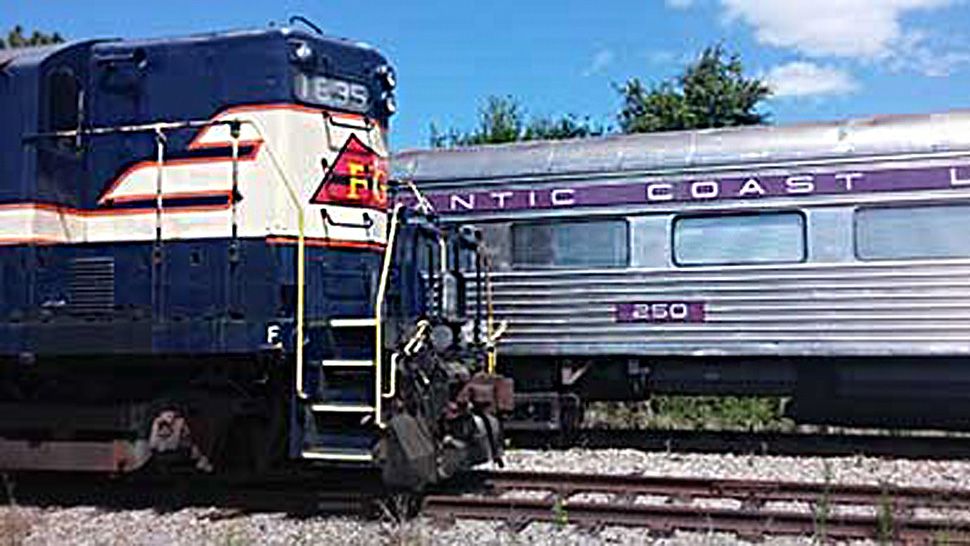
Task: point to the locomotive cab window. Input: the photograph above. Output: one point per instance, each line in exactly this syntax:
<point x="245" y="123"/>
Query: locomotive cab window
<point x="63" y="100"/>
<point x="599" y="243"/>
<point x="900" y="233"/>
<point x="777" y="237"/>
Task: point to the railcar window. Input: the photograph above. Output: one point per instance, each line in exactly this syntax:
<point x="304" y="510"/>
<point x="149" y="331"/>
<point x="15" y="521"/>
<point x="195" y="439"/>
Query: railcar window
<point x="740" y="239"/>
<point x="601" y="243"/>
<point x="899" y="233"/>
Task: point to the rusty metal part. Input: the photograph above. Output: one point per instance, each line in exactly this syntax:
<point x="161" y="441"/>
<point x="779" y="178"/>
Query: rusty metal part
<point x="750" y="518"/>
<point x="170" y="433"/>
<point x="489" y="392"/>
<point x="105" y="456"/>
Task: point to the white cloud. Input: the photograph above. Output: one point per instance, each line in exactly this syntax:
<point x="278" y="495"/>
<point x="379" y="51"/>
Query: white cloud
<point x="805" y="79"/>
<point x="601" y="60"/>
<point x="679" y="4"/>
<point x="844" y="28"/>
<point x="934" y="56"/>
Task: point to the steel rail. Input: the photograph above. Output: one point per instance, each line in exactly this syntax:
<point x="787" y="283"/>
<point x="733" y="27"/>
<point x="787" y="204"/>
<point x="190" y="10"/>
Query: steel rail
<point x="893" y="508"/>
<point x="668" y="518"/>
<point x="749" y="491"/>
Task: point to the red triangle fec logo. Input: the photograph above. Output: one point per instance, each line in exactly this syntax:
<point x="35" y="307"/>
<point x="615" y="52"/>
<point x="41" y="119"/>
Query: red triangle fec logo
<point x="358" y="177"/>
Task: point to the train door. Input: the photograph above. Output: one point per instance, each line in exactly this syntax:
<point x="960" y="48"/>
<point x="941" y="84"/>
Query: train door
<point x="64" y="282"/>
<point x="61" y="159"/>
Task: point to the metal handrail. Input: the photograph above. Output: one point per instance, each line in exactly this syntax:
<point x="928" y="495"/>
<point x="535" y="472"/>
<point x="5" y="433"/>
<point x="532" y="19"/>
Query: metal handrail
<point x="379" y="315"/>
<point x="424" y="205"/>
<point x="410" y="348"/>
<point x="413" y="344"/>
<point x="490" y="318"/>
<point x="160" y="141"/>
<point x="300" y="256"/>
<point x="366" y="224"/>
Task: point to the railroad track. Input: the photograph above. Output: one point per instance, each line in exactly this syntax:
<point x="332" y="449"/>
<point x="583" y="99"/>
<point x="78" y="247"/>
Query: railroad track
<point x="750" y="509"/>
<point x="740" y="442"/>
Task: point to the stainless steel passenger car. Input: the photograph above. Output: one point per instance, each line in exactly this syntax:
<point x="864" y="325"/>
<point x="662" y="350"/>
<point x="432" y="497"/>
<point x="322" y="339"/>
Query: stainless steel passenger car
<point x="827" y="262"/>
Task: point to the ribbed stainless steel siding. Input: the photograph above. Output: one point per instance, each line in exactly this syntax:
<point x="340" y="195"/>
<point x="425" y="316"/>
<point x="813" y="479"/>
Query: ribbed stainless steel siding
<point x="821" y="307"/>
<point x="846" y="308"/>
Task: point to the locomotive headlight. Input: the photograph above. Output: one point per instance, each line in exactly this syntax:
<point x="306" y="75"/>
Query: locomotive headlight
<point x="387" y="76"/>
<point x="390" y="105"/>
<point x="302" y="53"/>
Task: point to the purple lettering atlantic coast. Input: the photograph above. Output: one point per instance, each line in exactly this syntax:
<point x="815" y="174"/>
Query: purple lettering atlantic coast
<point x="703" y="189"/>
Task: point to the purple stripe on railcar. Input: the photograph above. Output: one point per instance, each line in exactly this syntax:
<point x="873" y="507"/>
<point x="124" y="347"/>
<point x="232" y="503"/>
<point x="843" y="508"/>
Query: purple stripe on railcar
<point x="705" y="189"/>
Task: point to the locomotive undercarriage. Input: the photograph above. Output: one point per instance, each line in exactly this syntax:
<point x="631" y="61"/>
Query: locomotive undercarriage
<point x="124" y="415"/>
<point x="232" y="416"/>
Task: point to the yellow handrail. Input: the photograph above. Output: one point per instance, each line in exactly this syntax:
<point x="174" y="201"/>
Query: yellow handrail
<point x="300" y="253"/>
<point x="379" y="316"/>
<point x="490" y="318"/>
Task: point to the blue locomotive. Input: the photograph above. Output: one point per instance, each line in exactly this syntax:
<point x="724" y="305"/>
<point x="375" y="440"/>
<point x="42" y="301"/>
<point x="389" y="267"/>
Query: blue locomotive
<point x="201" y="265"/>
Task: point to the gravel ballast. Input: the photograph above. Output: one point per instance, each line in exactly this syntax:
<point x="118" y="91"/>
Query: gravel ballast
<point x="842" y="470"/>
<point x="89" y="526"/>
<point x="85" y="525"/>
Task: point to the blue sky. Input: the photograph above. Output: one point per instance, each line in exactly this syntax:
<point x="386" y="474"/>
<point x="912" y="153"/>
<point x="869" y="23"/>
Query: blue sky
<point x="827" y="59"/>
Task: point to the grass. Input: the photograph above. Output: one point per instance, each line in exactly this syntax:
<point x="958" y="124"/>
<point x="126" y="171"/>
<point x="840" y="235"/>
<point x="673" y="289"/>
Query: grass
<point x="885" y="522"/>
<point x="397" y="523"/>
<point x="559" y="513"/>
<point x="693" y="413"/>
<point x="823" y="507"/>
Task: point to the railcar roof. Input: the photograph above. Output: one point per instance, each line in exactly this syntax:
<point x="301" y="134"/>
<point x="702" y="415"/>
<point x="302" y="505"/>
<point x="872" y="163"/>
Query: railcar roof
<point x="879" y="135"/>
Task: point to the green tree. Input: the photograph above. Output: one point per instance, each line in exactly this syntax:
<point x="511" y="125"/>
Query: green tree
<point x="16" y="38"/>
<point x="711" y="92"/>
<point x="568" y="126"/>
<point x="502" y="119"/>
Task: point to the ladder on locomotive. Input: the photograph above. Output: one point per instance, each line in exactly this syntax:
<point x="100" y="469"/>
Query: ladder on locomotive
<point x="343" y="416"/>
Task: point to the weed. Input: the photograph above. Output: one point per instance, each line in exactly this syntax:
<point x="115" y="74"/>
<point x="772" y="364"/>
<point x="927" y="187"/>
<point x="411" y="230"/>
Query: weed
<point x="693" y="412"/>
<point x="885" y="523"/>
<point x="559" y="513"/>
<point x="397" y="524"/>
<point x="823" y="507"/>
